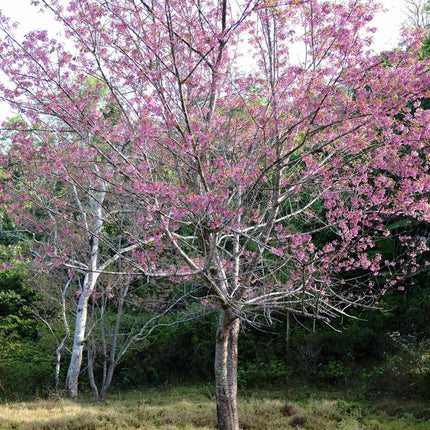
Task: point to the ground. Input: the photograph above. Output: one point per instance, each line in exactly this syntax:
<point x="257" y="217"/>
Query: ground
<point x="193" y="407"/>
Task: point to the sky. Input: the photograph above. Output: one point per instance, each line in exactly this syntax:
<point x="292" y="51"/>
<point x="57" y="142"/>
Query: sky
<point x="30" y="18"/>
<point x="388" y="23"/>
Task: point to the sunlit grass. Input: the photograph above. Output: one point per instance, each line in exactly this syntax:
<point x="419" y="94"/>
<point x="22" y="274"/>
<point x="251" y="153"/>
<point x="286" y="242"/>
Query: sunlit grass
<point x="192" y="408"/>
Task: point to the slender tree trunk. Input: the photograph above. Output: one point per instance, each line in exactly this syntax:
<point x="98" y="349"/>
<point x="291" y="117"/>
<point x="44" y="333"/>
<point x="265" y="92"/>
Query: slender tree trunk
<point x="58" y="362"/>
<point x="91" y="358"/>
<point x="66" y="336"/>
<point x="226" y="371"/>
<point x="78" y="345"/>
<point x="103" y="343"/>
<point x="112" y="356"/>
<point x="108" y="381"/>
<point x="95" y="200"/>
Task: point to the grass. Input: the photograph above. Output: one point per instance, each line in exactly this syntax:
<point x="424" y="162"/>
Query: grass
<point x="191" y="408"/>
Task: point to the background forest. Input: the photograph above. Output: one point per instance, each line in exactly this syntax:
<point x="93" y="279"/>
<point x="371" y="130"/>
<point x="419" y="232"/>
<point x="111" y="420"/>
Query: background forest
<point x="379" y="353"/>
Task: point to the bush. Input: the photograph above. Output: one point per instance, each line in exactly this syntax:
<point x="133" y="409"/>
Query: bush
<point x="180" y="353"/>
<point x="263" y="373"/>
<point x="406" y="373"/>
<point x="16" y="318"/>
<point x="26" y="370"/>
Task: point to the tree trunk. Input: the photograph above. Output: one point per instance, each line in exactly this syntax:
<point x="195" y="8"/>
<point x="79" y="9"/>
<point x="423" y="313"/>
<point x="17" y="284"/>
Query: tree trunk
<point x="90" y="359"/>
<point x="226" y="371"/>
<point x="60" y="346"/>
<point x="78" y="346"/>
<point x="95" y="200"/>
<point x="58" y="362"/>
<point x="112" y="356"/>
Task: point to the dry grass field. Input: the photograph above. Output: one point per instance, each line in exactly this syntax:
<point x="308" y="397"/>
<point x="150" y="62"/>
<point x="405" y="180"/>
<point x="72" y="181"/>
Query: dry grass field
<point x="191" y="408"/>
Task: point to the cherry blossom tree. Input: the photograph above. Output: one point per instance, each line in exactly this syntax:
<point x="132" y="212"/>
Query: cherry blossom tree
<point x="76" y="247"/>
<point x="73" y="230"/>
<point x="263" y="145"/>
<point x="61" y="205"/>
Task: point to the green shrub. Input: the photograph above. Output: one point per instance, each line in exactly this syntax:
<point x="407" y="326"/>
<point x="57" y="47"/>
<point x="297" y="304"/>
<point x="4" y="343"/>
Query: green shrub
<point x="26" y="370"/>
<point x="184" y="352"/>
<point x="263" y="373"/>
<point x="16" y="297"/>
<point x="404" y="374"/>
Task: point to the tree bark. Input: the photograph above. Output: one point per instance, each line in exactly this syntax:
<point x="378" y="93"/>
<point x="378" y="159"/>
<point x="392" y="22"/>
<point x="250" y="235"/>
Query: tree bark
<point x="90" y="359"/>
<point x="226" y="371"/>
<point x="95" y="200"/>
<point x="60" y="346"/>
<point x="112" y="356"/>
<point x="78" y="346"/>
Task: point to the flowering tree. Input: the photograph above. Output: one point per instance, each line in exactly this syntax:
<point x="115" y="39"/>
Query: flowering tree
<point x="58" y="202"/>
<point x="265" y="149"/>
<point x="73" y="227"/>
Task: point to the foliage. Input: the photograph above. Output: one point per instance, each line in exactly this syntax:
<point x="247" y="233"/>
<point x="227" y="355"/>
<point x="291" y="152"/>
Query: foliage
<point x="26" y="369"/>
<point x="181" y="353"/>
<point x="264" y="373"/>
<point x="16" y="301"/>
<point x="333" y="138"/>
<point x="404" y="374"/>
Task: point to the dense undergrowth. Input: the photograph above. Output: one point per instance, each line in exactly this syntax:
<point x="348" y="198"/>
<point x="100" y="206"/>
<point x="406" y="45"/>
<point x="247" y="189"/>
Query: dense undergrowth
<point x="380" y="354"/>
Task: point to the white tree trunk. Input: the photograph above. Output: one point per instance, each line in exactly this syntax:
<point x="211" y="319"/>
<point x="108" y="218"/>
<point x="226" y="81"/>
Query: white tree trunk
<point x="90" y="282"/>
<point x="60" y="345"/>
<point x="78" y="345"/>
<point x="96" y="209"/>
